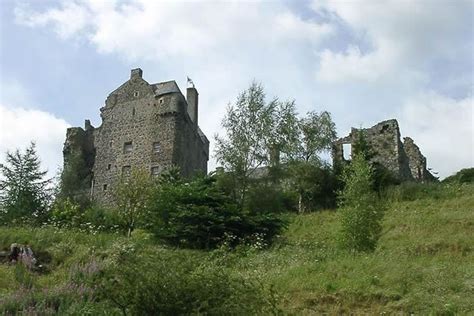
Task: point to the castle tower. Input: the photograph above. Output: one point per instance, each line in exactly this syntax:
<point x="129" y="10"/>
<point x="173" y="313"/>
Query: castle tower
<point x="145" y="126"/>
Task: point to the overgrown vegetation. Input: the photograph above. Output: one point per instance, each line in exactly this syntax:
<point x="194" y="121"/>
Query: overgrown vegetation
<point x="462" y="176"/>
<point x="197" y="214"/>
<point x="421" y="265"/>
<point x="218" y="244"/>
<point x="24" y="193"/>
<point x="361" y="209"/>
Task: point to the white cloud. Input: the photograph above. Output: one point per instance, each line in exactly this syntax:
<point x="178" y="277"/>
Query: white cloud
<point x="443" y="128"/>
<point x="156" y="30"/>
<point x="403" y="36"/>
<point x="20" y="126"/>
<point x="373" y="60"/>
<point x="69" y="20"/>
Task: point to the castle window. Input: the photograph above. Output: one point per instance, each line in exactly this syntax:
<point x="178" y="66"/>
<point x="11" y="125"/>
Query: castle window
<point x="133" y="112"/>
<point x="156" y="147"/>
<point x="127" y="147"/>
<point x="161" y="100"/>
<point x="104" y="187"/>
<point x="109" y="166"/>
<point x="155" y="171"/>
<point x="126" y="170"/>
<point x="347" y="151"/>
<point x="136" y="94"/>
<point x="111" y="143"/>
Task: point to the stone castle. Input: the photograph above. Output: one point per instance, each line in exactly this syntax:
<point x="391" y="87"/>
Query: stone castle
<point x="146" y="126"/>
<point x="404" y="160"/>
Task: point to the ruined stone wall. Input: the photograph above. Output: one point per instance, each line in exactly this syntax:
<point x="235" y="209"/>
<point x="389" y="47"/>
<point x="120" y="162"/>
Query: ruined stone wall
<point x="385" y="140"/>
<point x="79" y="145"/>
<point x="147" y="127"/>
<point x="416" y="161"/>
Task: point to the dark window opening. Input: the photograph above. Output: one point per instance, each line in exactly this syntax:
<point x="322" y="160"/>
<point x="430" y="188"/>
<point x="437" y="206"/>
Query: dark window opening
<point x="109" y="166"/>
<point x="136" y="94"/>
<point x="133" y="112"/>
<point x="127" y="147"/>
<point x="156" y="147"/>
<point x="155" y="171"/>
<point x="104" y="187"/>
<point x="161" y="100"/>
<point x="126" y="170"/>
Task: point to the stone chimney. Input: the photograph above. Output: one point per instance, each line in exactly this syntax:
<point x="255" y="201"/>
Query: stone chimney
<point x="192" y="97"/>
<point x="136" y="73"/>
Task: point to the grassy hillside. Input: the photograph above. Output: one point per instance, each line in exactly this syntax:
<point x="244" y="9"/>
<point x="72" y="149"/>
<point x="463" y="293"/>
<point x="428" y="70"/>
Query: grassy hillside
<point x="423" y="264"/>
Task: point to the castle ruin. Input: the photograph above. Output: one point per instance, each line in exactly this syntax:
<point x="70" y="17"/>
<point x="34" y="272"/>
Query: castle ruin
<point x="146" y="126"/>
<point x="404" y="160"/>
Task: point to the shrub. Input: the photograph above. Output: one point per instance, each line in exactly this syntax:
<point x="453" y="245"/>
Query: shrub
<point x="269" y="197"/>
<point x="362" y="211"/>
<point x="411" y="191"/>
<point x="197" y="214"/>
<point x="65" y="213"/>
<point x="462" y="176"/>
<point x="141" y="280"/>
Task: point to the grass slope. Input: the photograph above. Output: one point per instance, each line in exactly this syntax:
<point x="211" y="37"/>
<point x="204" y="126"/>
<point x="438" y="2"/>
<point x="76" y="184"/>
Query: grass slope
<point x="423" y="263"/>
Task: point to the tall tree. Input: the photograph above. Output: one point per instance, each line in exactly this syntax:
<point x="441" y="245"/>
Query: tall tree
<point x="24" y="192"/>
<point x="245" y="148"/>
<point x="132" y="196"/>
<point x="317" y="131"/>
<point x="362" y="211"/>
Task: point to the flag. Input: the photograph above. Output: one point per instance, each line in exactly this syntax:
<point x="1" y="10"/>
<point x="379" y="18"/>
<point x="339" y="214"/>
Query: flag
<point x="190" y="81"/>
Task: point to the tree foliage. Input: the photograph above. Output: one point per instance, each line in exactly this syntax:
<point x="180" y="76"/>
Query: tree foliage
<point x="361" y="209"/>
<point x="197" y="214"/>
<point x="24" y="192"/>
<point x="308" y="176"/>
<point x="132" y="196"/>
<point x="317" y="132"/>
<point x="248" y="126"/>
<point x="270" y="135"/>
<point x="75" y="179"/>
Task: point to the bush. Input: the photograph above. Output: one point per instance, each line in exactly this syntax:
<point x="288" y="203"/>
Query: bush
<point x="67" y="214"/>
<point x="138" y="279"/>
<point x="462" y="176"/>
<point x="269" y="197"/>
<point x="362" y="211"/>
<point x="197" y="214"/>
<point x="412" y="191"/>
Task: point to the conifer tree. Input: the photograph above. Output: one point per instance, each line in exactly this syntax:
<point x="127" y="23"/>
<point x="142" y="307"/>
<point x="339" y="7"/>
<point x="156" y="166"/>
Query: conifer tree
<point x="24" y="192"/>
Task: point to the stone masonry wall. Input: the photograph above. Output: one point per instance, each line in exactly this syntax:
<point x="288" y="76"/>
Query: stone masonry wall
<point x="416" y="161"/>
<point x="390" y="152"/>
<point x="144" y="126"/>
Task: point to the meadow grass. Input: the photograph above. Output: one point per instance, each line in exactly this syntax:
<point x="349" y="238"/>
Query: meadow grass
<point x="423" y="263"/>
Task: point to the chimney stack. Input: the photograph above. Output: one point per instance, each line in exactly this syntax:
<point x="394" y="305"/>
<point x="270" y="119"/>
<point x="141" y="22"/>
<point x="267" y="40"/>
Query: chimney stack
<point x="136" y="73"/>
<point x="192" y="98"/>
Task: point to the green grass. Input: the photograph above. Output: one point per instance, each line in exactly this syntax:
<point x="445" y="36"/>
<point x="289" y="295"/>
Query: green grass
<point x="423" y="263"/>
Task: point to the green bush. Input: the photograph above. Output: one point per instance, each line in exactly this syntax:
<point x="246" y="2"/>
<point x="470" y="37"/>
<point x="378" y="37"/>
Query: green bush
<point x="362" y="211"/>
<point x="67" y="214"/>
<point x="139" y="279"/>
<point x="462" y="176"/>
<point x="412" y="191"/>
<point x="196" y="214"/>
<point x="269" y="197"/>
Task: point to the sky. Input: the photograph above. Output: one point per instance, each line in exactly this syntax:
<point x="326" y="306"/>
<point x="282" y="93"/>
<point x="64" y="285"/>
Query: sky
<point x="364" y="61"/>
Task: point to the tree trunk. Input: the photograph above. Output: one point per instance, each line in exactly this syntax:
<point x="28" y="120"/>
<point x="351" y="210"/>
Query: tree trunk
<point x="300" y="203"/>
